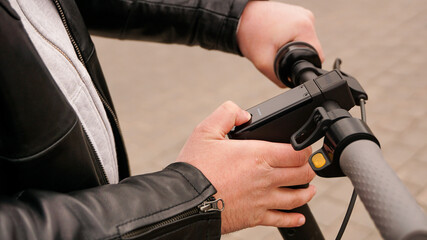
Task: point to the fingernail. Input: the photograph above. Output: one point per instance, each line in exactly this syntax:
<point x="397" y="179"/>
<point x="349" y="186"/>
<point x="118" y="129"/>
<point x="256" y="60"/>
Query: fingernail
<point x="301" y="221"/>
<point x="248" y="115"/>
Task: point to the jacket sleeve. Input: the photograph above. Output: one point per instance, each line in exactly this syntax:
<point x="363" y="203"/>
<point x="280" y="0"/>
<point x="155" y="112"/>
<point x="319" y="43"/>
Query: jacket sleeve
<point x="161" y="205"/>
<point x="212" y="24"/>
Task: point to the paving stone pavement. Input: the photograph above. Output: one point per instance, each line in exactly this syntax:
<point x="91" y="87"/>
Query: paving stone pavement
<point x="162" y="92"/>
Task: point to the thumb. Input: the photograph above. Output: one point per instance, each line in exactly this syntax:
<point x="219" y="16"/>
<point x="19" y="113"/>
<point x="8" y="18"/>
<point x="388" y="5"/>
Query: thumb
<point x="223" y="119"/>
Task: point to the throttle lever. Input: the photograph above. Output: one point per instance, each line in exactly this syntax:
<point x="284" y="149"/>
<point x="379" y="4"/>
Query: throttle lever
<point x="312" y="130"/>
<point x="316" y="126"/>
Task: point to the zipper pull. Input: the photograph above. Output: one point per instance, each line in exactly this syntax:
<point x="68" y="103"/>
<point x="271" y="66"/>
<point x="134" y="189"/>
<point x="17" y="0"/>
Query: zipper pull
<point x="210" y="206"/>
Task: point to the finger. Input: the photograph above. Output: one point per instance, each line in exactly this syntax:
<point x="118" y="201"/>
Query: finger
<point x="279" y="155"/>
<point x="288" y="199"/>
<point x="285" y="177"/>
<point x="223" y="119"/>
<point x="283" y="219"/>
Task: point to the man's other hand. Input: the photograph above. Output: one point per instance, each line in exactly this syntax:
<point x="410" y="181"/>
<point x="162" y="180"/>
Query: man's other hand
<point x="266" y="26"/>
<point x="249" y="175"/>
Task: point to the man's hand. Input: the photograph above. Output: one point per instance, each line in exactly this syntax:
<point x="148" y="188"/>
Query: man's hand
<point x="266" y="26"/>
<point x="249" y="174"/>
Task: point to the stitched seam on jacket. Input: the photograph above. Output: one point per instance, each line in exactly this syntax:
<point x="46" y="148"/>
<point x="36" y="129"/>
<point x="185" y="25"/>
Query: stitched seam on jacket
<point x="185" y="179"/>
<point x="44" y="150"/>
<point x="154" y="213"/>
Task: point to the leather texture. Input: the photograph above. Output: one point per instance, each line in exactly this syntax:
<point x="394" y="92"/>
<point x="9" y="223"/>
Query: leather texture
<point x="208" y="23"/>
<point x="51" y="185"/>
<point x="42" y="140"/>
<point x="112" y="211"/>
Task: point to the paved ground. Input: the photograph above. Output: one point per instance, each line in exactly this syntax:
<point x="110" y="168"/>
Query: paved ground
<point x="161" y="92"/>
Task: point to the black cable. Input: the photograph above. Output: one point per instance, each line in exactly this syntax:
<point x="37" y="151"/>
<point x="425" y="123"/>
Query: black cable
<point x="347" y="215"/>
<point x="354" y="194"/>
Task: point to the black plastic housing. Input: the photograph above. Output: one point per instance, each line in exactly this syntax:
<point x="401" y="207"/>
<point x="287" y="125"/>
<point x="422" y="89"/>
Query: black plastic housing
<point x="278" y="118"/>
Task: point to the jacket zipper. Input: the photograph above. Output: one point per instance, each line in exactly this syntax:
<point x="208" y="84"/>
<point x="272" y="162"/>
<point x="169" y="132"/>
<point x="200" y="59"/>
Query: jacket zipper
<point x="80" y="56"/>
<point x="99" y="168"/>
<point x="209" y="205"/>
<point x="64" y="22"/>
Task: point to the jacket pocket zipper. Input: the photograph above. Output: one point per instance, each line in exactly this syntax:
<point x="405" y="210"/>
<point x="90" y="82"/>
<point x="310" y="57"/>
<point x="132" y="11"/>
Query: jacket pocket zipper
<point x="209" y="205"/>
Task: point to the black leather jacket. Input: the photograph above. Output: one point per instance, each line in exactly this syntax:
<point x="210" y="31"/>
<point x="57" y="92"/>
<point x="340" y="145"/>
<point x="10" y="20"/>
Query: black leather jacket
<point x="52" y="185"/>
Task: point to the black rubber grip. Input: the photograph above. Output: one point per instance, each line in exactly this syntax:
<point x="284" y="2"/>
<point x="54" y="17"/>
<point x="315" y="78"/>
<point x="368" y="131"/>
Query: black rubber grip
<point x="390" y="205"/>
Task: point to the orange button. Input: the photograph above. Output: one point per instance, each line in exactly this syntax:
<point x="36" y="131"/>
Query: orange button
<point x="318" y="160"/>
